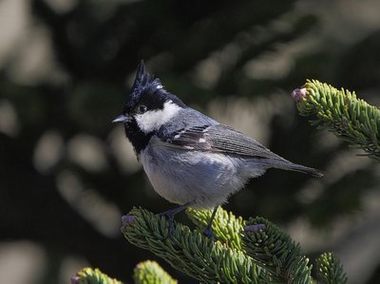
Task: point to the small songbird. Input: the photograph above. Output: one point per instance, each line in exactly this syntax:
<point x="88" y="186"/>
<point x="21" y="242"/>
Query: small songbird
<point x="190" y="158"/>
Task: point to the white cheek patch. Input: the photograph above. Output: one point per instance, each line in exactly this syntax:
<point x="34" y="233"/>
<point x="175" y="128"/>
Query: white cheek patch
<point x="154" y="119"/>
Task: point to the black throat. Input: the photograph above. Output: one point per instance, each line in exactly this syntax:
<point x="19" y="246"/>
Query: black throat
<point x="138" y="138"/>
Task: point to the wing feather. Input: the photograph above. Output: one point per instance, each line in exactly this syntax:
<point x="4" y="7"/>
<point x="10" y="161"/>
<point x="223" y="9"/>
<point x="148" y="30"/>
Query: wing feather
<point x="219" y="138"/>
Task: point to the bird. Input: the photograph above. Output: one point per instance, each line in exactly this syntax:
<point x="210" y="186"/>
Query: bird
<point x="191" y="159"/>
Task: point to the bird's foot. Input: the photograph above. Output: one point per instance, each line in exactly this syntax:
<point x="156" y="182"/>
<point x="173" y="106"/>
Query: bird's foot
<point x="209" y="233"/>
<point x="170" y="218"/>
<point x="169" y="215"/>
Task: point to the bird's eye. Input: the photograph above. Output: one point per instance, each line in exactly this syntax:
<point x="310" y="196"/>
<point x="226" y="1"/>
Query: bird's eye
<point x="141" y="109"/>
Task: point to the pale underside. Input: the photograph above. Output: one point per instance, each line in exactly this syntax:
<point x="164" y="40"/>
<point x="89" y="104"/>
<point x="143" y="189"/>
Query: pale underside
<point x="203" y="179"/>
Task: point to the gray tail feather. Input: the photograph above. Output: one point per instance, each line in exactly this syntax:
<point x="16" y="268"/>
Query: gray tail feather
<point x="299" y="168"/>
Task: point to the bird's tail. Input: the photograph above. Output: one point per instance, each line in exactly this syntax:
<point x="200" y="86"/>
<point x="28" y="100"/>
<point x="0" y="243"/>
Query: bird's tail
<point x="299" y="168"/>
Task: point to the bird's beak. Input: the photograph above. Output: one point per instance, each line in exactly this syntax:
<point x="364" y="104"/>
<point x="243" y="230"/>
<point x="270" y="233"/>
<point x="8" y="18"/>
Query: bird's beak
<point x="121" y="118"/>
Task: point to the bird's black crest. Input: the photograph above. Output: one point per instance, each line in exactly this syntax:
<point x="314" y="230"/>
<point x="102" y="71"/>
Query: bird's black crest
<point x="146" y="83"/>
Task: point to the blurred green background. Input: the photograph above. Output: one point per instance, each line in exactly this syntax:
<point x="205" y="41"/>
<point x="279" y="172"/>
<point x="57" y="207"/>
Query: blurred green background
<point x="67" y="174"/>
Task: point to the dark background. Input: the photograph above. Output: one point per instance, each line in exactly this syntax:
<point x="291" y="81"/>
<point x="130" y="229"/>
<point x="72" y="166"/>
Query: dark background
<point x="67" y="174"/>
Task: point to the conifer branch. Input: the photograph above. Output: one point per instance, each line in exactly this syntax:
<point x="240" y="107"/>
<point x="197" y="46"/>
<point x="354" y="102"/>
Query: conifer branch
<point x="150" y="272"/>
<point x="226" y="227"/>
<point x="92" y="276"/>
<point x="190" y="251"/>
<point x="276" y="251"/>
<point x="330" y="270"/>
<point x="270" y="248"/>
<point x="253" y="251"/>
<point x="342" y="112"/>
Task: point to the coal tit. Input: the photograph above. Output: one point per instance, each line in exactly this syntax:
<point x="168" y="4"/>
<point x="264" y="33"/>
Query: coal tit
<point x="190" y="158"/>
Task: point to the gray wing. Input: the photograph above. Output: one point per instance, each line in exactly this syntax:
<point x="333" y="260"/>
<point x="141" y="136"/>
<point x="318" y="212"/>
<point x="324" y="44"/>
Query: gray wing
<point x="218" y="138"/>
<point x="221" y="138"/>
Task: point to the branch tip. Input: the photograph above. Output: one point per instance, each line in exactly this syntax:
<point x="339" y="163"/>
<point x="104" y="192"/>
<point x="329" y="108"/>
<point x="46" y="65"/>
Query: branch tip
<point x="254" y="228"/>
<point x="298" y="94"/>
<point x="127" y="220"/>
<point x="75" y="279"/>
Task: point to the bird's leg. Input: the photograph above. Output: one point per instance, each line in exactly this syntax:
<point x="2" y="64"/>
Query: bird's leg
<point x="169" y="214"/>
<point x="208" y="231"/>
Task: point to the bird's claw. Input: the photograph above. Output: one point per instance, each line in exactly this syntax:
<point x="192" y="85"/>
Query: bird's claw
<point x="208" y="233"/>
<point x="170" y="218"/>
<point x="169" y="215"/>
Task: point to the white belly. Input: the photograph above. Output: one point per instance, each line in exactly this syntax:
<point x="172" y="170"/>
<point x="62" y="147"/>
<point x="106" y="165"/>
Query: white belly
<point x="191" y="177"/>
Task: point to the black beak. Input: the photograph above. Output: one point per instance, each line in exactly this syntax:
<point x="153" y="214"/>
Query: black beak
<point x="121" y="118"/>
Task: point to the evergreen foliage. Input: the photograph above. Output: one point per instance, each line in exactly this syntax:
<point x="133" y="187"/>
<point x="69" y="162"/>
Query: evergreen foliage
<point x="226" y="226"/>
<point x="252" y="251"/>
<point x="277" y="252"/>
<point x="150" y="272"/>
<point x="92" y="276"/>
<point x="341" y="112"/>
<point x="190" y="251"/>
<point x="329" y="269"/>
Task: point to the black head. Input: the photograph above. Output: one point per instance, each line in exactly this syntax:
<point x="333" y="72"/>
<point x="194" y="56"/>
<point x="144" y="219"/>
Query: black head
<point x="147" y="108"/>
<point x="148" y="90"/>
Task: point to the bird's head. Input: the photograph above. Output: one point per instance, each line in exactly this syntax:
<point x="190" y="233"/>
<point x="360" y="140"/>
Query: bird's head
<point x="147" y="108"/>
